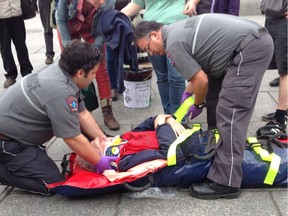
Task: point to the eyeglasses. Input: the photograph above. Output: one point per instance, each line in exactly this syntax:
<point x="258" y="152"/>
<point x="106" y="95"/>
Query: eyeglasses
<point x="147" y="49"/>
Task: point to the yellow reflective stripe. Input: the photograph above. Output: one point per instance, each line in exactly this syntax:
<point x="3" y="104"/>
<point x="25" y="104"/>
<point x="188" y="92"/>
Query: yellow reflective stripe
<point x="252" y="140"/>
<point x="265" y="156"/>
<point x="273" y="169"/>
<point x="183" y="109"/>
<point x="216" y="134"/>
<point x="171" y="155"/>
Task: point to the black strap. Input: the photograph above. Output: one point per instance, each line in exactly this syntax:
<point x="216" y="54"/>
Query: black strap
<point x="140" y="188"/>
<point x="275" y="139"/>
<point x="66" y="165"/>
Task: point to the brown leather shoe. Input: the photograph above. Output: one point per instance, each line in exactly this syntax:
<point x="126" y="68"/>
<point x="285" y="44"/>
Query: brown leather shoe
<point x="9" y="82"/>
<point x="108" y="116"/>
<point x="49" y="60"/>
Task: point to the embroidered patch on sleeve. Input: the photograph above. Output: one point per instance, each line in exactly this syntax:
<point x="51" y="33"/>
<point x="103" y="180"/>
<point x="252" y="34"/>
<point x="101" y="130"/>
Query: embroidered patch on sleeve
<point x="170" y="59"/>
<point x="72" y="103"/>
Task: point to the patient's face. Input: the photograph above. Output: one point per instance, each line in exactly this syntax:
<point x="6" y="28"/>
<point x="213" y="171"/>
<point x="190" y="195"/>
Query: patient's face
<point x="100" y="143"/>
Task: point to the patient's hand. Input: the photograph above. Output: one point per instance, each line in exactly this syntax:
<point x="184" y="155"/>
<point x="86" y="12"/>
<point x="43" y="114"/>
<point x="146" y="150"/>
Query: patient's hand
<point x="176" y="126"/>
<point x="165" y="118"/>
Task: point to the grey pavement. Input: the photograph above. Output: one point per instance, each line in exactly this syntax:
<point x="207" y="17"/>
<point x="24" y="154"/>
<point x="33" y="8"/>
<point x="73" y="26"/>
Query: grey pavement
<point x="13" y="201"/>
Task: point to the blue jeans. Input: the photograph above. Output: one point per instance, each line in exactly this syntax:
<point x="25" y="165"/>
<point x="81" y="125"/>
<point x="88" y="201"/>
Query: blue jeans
<point x="171" y="84"/>
<point x="110" y="63"/>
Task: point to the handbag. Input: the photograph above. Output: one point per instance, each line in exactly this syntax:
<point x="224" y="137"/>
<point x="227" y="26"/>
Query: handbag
<point x="90" y="98"/>
<point x="27" y="9"/>
<point x="273" y="8"/>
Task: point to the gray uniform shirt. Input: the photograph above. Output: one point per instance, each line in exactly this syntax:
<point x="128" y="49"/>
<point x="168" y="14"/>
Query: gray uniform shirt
<point x="40" y="106"/>
<point x="205" y="42"/>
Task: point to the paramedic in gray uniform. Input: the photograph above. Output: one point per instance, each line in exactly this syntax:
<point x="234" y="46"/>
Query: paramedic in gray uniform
<point x="46" y="104"/>
<point x="210" y="46"/>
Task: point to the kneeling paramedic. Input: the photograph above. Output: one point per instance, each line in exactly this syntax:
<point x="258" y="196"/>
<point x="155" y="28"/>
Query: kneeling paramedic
<point x="46" y="104"/>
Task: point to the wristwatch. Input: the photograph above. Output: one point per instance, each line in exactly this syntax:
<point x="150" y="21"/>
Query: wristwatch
<point x="200" y="106"/>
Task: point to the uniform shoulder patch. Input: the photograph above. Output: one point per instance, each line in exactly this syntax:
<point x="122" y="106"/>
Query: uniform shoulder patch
<point x="72" y="103"/>
<point x="170" y="59"/>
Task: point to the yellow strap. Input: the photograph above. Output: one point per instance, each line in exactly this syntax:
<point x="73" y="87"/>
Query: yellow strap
<point x="183" y="109"/>
<point x="171" y="155"/>
<point x="265" y="156"/>
<point x="273" y="169"/>
<point x="216" y="134"/>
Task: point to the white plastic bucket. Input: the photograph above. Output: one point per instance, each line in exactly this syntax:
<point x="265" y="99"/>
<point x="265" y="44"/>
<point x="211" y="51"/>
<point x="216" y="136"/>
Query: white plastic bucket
<point x="138" y="88"/>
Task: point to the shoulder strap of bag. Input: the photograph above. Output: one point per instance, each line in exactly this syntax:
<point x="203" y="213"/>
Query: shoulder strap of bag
<point x="171" y="155"/>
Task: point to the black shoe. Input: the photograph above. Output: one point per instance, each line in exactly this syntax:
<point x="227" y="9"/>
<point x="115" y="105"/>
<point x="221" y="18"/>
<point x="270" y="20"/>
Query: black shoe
<point x="271" y="116"/>
<point x="270" y="129"/>
<point x="268" y="117"/>
<point x="275" y="82"/>
<point x="9" y="82"/>
<point x="211" y="190"/>
<point x="114" y="95"/>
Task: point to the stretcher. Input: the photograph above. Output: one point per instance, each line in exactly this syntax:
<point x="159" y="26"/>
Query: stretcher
<point x="264" y="165"/>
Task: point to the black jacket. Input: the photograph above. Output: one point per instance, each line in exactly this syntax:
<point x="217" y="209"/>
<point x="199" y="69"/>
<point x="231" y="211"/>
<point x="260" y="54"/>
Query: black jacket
<point x="119" y="35"/>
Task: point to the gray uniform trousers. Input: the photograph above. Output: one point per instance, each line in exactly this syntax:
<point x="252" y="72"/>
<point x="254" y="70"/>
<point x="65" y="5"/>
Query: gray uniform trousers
<point x="27" y="167"/>
<point x="44" y="8"/>
<point x="235" y="107"/>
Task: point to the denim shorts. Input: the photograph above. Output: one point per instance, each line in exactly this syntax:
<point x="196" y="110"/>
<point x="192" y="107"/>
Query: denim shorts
<point x="278" y="30"/>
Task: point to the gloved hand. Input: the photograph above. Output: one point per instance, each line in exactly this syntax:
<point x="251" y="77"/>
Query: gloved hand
<point x="185" y="96"/>
<point x="194" y="111"/>
<point x="104" y="164"/>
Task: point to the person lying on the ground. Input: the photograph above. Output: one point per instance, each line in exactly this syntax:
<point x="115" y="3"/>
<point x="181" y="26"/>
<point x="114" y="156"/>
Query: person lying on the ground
<point x="150" y="140"/>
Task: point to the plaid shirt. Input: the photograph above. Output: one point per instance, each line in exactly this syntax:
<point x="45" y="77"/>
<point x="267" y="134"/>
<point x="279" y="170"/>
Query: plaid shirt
<point x="81" y="25"/>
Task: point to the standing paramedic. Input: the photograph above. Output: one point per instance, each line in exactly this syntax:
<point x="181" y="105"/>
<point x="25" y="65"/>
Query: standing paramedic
<point x="43" y="105"/>
<point x="210" y="46"/>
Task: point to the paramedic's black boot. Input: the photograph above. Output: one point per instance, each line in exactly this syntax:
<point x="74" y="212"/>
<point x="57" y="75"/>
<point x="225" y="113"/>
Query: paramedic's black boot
<point x="211" y="190"/>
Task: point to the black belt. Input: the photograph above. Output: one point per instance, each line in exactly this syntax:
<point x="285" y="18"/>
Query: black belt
<point x="248" y="39"/>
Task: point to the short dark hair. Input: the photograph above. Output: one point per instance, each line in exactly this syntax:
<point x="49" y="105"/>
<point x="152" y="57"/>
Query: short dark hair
<point x="144" y="28"/>
<point x="77" y="55"/>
